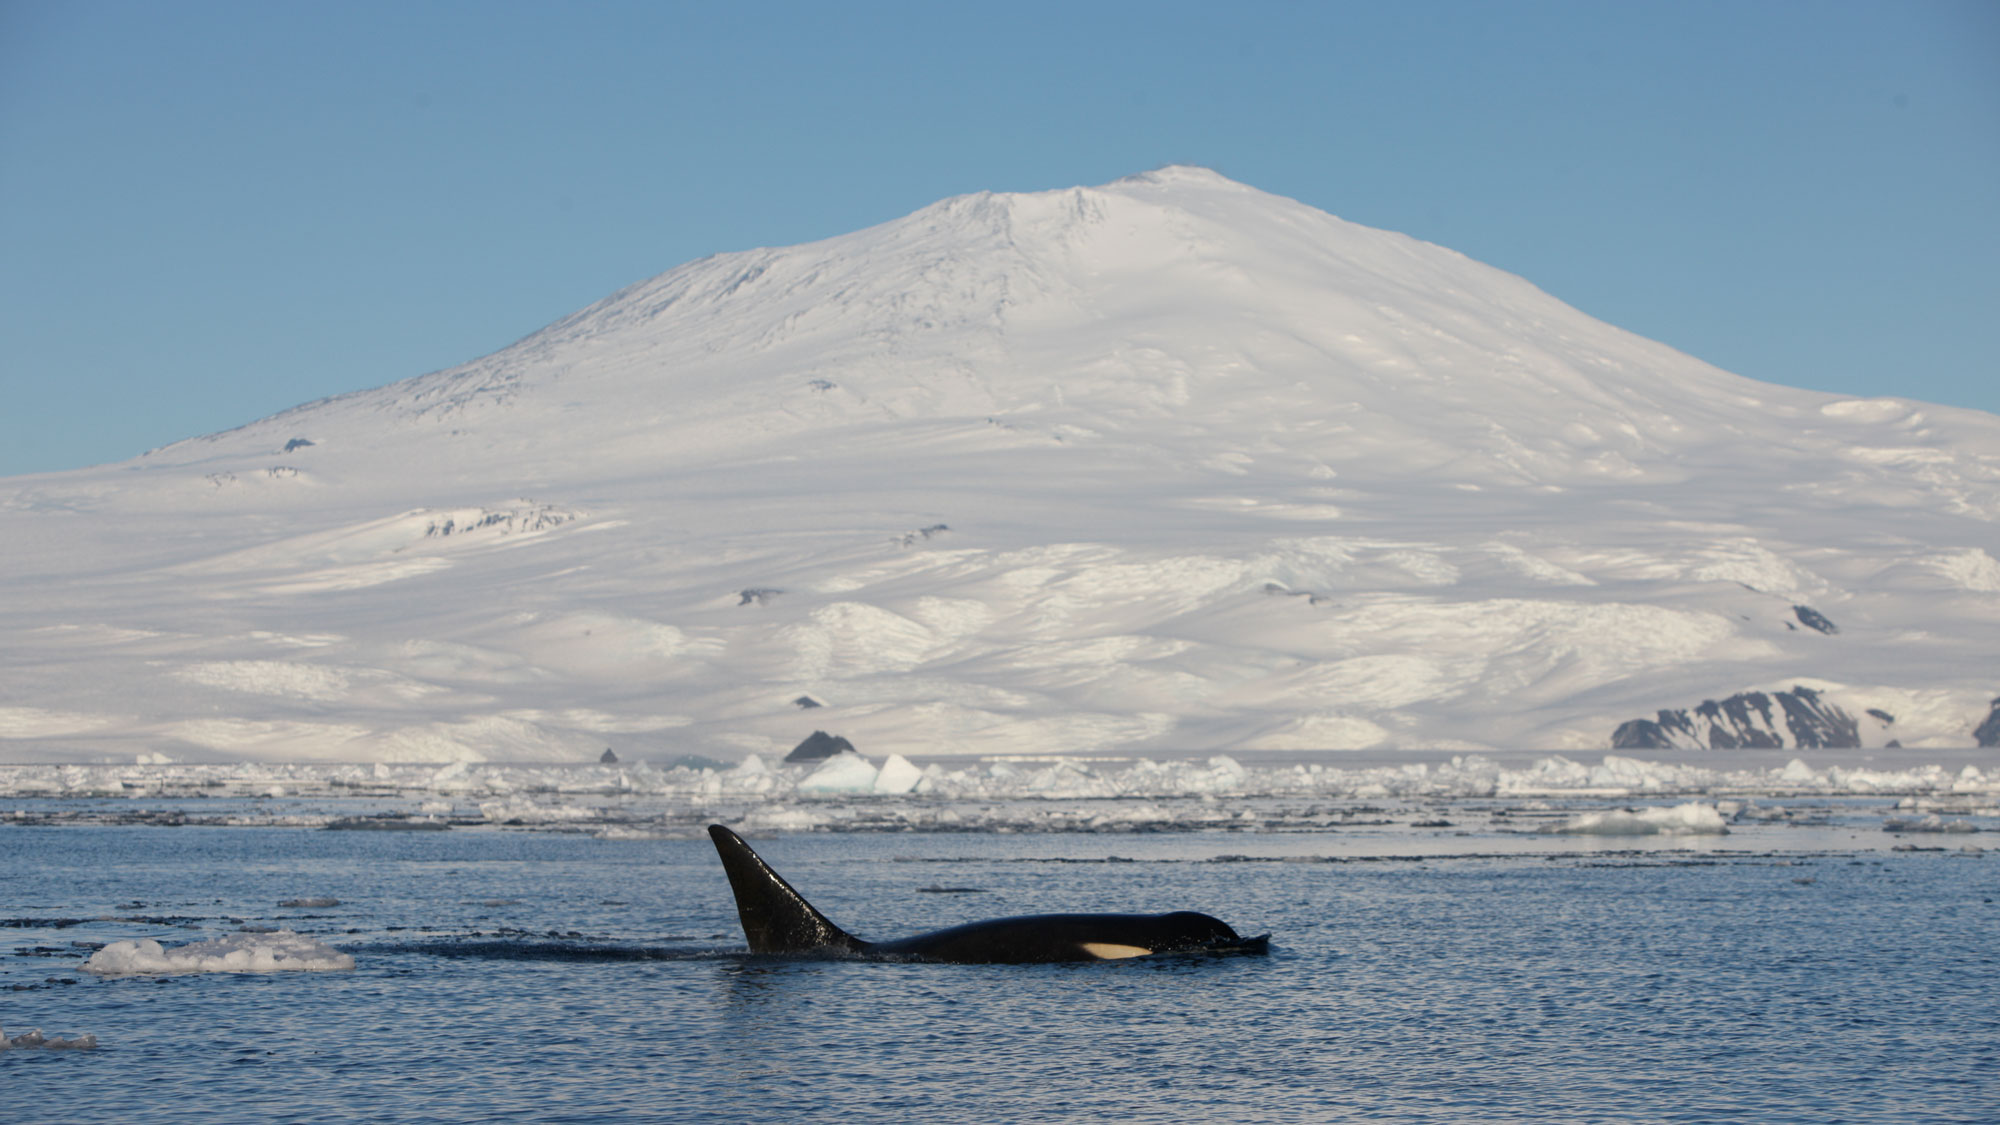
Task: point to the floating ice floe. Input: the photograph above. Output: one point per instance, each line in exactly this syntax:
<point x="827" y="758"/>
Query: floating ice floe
<point x="1931" y="823"/>
<point x="1691" y="819"/>
<point x="35" y="1038"/>
<point x="281" y="951"/>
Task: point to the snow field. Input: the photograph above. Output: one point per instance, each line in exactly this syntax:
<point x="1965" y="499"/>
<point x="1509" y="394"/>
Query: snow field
<point x="1164" y="465"/>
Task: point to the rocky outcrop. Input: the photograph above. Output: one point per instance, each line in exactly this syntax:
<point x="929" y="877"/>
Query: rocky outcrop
<point x="1814" y="619"/>
<point x="1748" y="720"/>
<point x="819" y="745"/>
<point x="525" y="518"/>
<point x="1988" y="732"/>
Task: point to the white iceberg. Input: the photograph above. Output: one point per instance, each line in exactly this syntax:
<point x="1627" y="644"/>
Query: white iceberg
<point x="845" y="772"/>
<point x="898" y="775"/>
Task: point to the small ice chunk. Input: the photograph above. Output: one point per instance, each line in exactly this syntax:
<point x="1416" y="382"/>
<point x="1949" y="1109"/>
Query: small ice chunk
<point x="309" y="903"/>
<point x="1796" y="770"/>
<point x="845" y="772"/>
<point x="1224" y="772"/>
<point x="35" y="1038"/>
<point x="898" y="775"/>
<point x="1690" y="819"/>
<point x="236" y="953"/>
<point x="1931" y="823"/>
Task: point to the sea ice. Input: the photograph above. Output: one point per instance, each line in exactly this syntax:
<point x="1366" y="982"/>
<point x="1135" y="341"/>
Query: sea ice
<point x="1931" y="823"/>
<point x="898" y="775"/>
<point x="1690" y="819"/>
<point x="35" y="1038"/>
<point x="234" y="953"/>
<point x="842" y="773"/>
<point x="968" y="794"/>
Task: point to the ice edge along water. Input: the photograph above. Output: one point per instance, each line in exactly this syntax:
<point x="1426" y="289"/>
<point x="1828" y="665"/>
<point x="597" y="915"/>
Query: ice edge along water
<point x="1165" y="465"/>
<point x="851" y="793"/>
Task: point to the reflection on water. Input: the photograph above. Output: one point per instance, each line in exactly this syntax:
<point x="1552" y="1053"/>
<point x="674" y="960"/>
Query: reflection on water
<point x="566" y="978"/>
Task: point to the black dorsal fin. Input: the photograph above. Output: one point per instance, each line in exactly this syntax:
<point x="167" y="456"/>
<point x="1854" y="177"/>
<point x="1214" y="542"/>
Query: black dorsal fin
<point x="776" y="919"/>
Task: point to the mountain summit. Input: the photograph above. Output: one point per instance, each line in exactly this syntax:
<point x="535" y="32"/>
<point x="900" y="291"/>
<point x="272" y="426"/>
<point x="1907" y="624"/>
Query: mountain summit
<point x="1167" y="464"/>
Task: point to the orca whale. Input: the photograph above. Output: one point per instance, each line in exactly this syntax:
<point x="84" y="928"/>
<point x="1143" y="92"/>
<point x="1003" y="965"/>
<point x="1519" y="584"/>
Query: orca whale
<point x="777" y="919"/>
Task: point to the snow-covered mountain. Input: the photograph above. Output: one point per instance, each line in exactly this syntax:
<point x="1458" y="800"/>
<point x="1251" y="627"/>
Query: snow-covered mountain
<point x="1168" y="464"/>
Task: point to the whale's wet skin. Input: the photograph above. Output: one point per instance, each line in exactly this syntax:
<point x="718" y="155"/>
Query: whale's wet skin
<point x="777" y="919"/>
<point x="567" y="978"/>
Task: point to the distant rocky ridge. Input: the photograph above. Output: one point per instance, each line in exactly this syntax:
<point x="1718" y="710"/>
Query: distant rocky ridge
<point x="1751" y="721"/>
<point x="1988" y="732"/>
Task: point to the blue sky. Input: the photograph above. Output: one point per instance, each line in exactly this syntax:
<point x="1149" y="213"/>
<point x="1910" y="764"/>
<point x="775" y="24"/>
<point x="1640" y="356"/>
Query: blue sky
<point x="210" y="212"/>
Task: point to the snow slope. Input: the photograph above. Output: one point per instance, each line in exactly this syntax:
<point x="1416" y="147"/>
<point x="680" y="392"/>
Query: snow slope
<point x="1168" y="464"/>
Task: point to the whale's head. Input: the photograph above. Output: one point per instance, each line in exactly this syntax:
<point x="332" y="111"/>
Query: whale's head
<point x="1188" y="931"/>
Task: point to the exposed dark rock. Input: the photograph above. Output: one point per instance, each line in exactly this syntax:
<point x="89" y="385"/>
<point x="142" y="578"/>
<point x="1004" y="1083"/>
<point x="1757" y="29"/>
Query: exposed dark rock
<point x="1814" y="619"/>
<point x="1746" y="721"/>
<point x="1816" y="725"/>
<point x="523" y="521"/>
<point x="1741" y="722"/>
<point x="819" y="745"/>
<point x="608" y="758"/>
<point x="758" y="595"/>
<point x="1988" y="732"/>
<point x="1881" y="716"/>
<point x="806" y="703"/>
<point x="1641" y="734"/>
<point x="297" y="443"/>
<point x="910" y="539"/>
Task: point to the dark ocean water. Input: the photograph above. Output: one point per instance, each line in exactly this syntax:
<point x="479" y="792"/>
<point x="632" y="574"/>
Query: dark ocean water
<point x="568" y="978"/>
